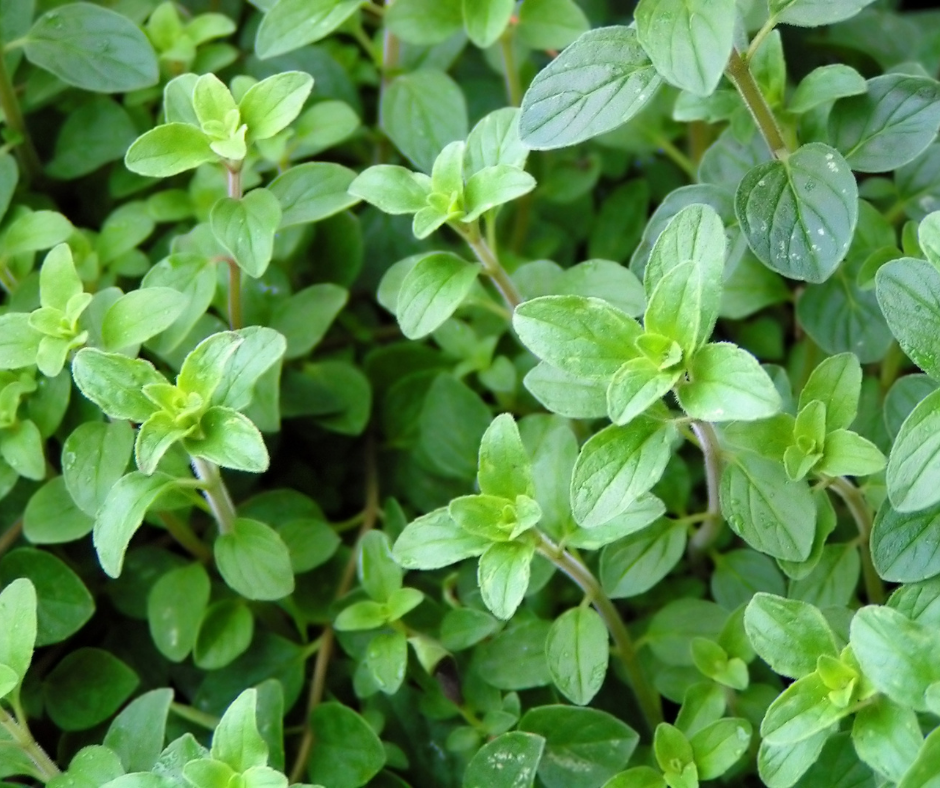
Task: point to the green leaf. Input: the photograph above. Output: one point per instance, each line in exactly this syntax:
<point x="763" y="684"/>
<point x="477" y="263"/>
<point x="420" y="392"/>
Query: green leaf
<point x="689" y="41"/>
<point x="137" y="734"/>
<point x="86" y="688"/>
<point x="801" y="711"/>
<point x="169" y="149"/>
<point x="896" y="655"/>
<point x="509" y="761"/>
<point x="392" y="189"/>
<point x="505" y="469"/>
<point x="92" y="48"/>
<point x="551" y="24"/>
<point x="64" y="604"/>
<point x="139" y="315"/>
<point x="787" y="634"/>
<point x="35" y="230"/>
<point x="637" y="777"/>
<point x="825" y="84"/>
<point x="781" y="765"/>
<point x="902" y="544"/>
<point x="727" y="383"/>
<point x="175" y="607"/>
<point x="887" y="737"/>
<point x="51" y="517"/>
<point x="636" y="563"/>
<point x="432" y="291"/>
<point x="815" y="13"/>
<point x="923" y="771"/>
<point x="229" y="439"/>
<point x="434" y="541"/>
<point x="18" y="620"/>
<point x="421" y="113"/>
<point x="635" y="387"/>
<point x="379" y="574"/>
<point x="615" y="467"/>
<point x="114" y="382"/>
<point x="693" y="234"/>
<point x="361" y="615"/>
<point x="225" y="633"/>
<point x="485" y="20"/>
<point x="387" y="659"/>
<point x="909" y="295"/>
<point x="717" y="747"/>
<point x="19" y="341"/>
<point x="799" y="215"/>
<point x="584" y="337"/>
<point x="583" y="747"/>
<point x="58" y="280"/>
<point x="674" y="756"/>
<point x="254" y="561"/>
<point x="566" y="395"/>
<point x="849" y="454"/>
<point x="914" y="465"/>
<point x="348" y="753"/>
<point x="246" y="228"/>
<point x="504" y="576"/>
<point x="451" y="424"/>
<point x="313" y="191"/>
<point x="122" y="513"/>
<point x="22" y="447"/>
<point x="768" y="511"/>
<point x="272" y="104"/>
<point x="291" y="24"/>
<point x="495" y="186"/>
<point x="236" y="740"/>
<point x="683" y="307"/>
<point x="577" y="652"/>
<point x="425" y="22"/>
<point x="836" y="382"/>
<point x="889" y="125"/>
<point x="259" y="350"/>
<point x="598" y="83"/>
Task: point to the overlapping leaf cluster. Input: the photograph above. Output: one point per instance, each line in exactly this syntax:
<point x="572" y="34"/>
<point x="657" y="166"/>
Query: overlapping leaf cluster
<point x="472" y="393"/>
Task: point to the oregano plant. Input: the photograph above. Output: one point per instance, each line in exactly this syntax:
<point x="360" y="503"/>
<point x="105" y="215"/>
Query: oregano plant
<point x="469" y="393"/>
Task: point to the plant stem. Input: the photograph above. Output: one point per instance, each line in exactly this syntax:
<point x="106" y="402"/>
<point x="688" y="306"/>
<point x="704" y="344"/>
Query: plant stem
<point x="646" y="696"/>
<point x="19" y="732"/>
<point x="7" y="281"/>
<point x="186" y="537"/>
<point x="391" y="50"/>
<point x="740" y="75"/>
<point x="328" y="638"/>
<point x="234" y="272"/>
<point x="215" y="493"/>
<point x="675" y="155"/>
<point x="10" y="535"/>
<point x="200" y="718"/>
<point x="710" y="530"/>
<point x="858" y="507"/>
<point x="25" y="150"/>
<point x="759" y="37"/>
<point x="491" y="265"/>
<point x="513" y="85"/>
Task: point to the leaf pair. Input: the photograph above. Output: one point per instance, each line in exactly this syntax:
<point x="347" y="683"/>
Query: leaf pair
<point x="587" y="339"/>
<point x="204" y="123"/>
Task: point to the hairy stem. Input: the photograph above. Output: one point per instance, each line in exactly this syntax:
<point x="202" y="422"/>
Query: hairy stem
<point x="491" y="265"/>
<point x="710" y="530"/>
<point x="327" y="640"/>
<point x="759" y="37"/>
<point x="215" y="493"/>
<point x="741" y="77"/>
<point x="234" y="272"/>
<point x="25" y="150"/>
<point x="513" y="85"/>
<point x="19" y="733"/>
<point x="861" y="512"/>
<point x="647" y="697"/>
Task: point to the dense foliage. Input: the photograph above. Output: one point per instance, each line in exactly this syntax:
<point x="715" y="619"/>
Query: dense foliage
<point x="469" y="393"/>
